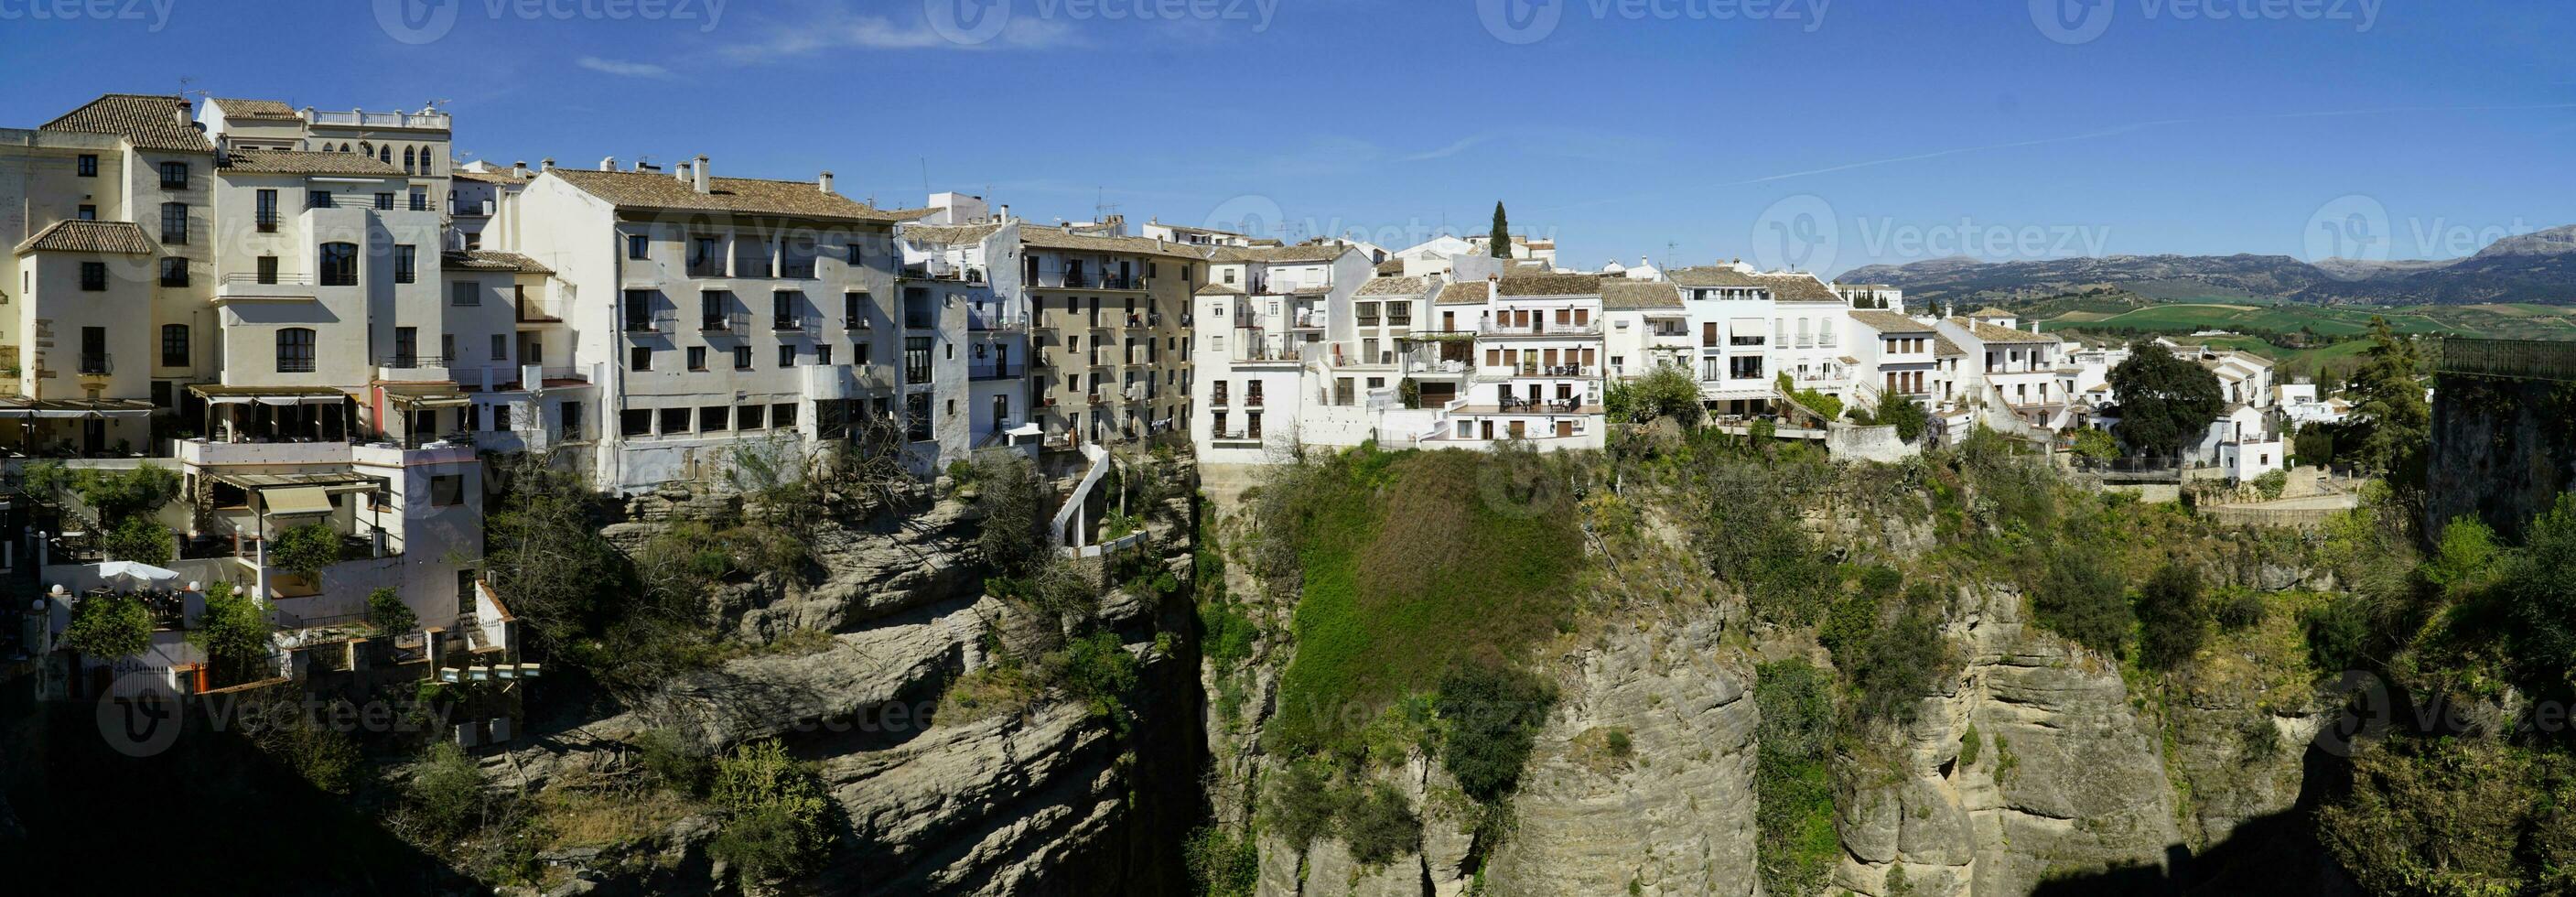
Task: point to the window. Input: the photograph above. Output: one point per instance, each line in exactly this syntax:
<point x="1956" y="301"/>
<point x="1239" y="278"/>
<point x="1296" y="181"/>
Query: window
<point x="787" y="356"/>
<point x="855" y="256"/>
<point x="339" y="264"/>
<point x="88" y="166"/>
<point x="916" y="417"/>
<point x="87" y="213"/>
<point x="268" y="269"/>
<point x="447" y="348"/>
<point x="705" y="257"/>
<point x="174" y="272"/>
<point x="714" y="419"/>
<point x="406" y="346"/>
<point x="406" y="268"/>
<point x="174" y="223"/>
<point x="639" y="359"/>
<point x="639" y="246"/>
<point x="697" y="358"/>
<point x="93" y="357"/>
<point x="742" y="358"/>
<point x="823" y="355"/>
<point x="782" y="415"/>
<point x="267" y="211"/>
<point x="384" y="202"/>
<point x="447" y="490"/>
<point x="295" y="350"/>
<point x="859" y="354"/>
<point x="749" y="417"/>
<point x="409" y="161"/>
<point x="420" y="200"/>
<point x="635" y="422"/>
<point x="174" y="175"/>
<point x="916" y="359"/>
<point x="317" y="199"/>
<point x="93" y="277"/>
<point x="568" y="420"/>
<point x="639" y="310"/>
<point x="466" y="295"/>
<point x="852" y="317"/>
<point x="675" y="421"/>
<point x="501" y="348"/>
<point x="174" y="345"/>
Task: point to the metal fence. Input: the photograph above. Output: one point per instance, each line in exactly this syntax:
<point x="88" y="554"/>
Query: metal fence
<point x="2523" y="359"/>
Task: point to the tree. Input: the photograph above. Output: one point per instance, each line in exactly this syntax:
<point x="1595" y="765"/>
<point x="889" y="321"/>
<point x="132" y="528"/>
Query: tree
<point x="2080" y="597"/>
<point x="2171" y="623"/>
<point x="447" y="790"/>
<point x="118" y="494"/>
<point x="1665" y="391"/>
<point x="2539" y="583"/>
<point x="1903" y="412"/>
<point x="387" y="612"/>
<point x="142" y="540"/>
<point x="305" y="549"/>
<point x="2396" y="423"/>
<point x="1501" y="239"/>
<point x="775" y="812"/>
<point x="1013" y="536"/>
<point x="1489" y="719"/>
<point x="2095" y="445"/>
<point x="109" y="626"/>
<point x="2166" y="402"/>
<point x="234" y="633"/>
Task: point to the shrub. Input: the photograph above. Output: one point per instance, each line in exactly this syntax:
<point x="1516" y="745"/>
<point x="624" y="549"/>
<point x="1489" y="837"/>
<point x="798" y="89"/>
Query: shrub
<point x="2467" y="548"/>
<point x="1795" y="847"/>
<point x="142" y="540"/>
<point x="2271" y="484"/>
<point x="1970" y="745"/>
<point x="387" y="612"/>
<point x="120" y="494"/>
<point x="305" y="549"/>
<point x="1904" y="413"/>
<point x="1098" y="672"/>
<point x="109" y="626"/>
<point x="1489" y="718"/>
<point x="2080" y="597"/>
<point x="2171" y="623"/>
<point x="1301" y="803"/>
<point x="1902" y="661"/>
<point x="2096" y="445"/>
<point x="1753" y="540"/>
<point x="234" y="633"/>
<point x="672" y="763"/>
<point x="2237" y="610"/>
<point x="1222" y="865"/>
<point x="775" y="812"/>
<point x="2540" y="586"/>
<point x="1379" y="825"/>
<point x="447" y="790"/>
<point x="1665" y="391"/>
<point x="2338" y="633"/>
<point x="1619" y="745"/>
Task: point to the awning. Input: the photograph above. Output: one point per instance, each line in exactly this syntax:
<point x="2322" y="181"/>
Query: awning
<point x="296" y="500"/>
<point x="228" y="394"/>
<point x="1755" y="327"/>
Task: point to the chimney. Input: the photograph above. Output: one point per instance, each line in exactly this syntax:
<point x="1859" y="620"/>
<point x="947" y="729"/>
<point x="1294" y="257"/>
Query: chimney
<point x="1006" y="212"/>
<point x="680" y="172"/>
<point x="608" y="163"/>
<point x="184" y="119"/>
<point x="824" y="182"/>
<point x="700" y="173"/>
<point x="546" y="164"/>
<point x="519" y="168"/>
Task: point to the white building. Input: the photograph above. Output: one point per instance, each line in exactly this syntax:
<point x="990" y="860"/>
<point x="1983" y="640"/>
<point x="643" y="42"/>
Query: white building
<point x="1536" y="365"/>
<point x="2010" y="371"/>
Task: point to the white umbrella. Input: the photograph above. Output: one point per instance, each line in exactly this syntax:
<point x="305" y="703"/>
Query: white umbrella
<point x="136" y="572"/>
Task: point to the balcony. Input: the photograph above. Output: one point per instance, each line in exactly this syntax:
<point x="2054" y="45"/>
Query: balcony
<point x="790" y="323"/>
<point x="250" y="285"/>
<point x="941" y="269"/>
<point x="733" y="322"/>
<point x="855" y="322"/>
<point x="536" y="310"/>
<point x="96" y="364"/>
<point x="662" y="324"/>
<point x="404" y="361"/>
<point x="1309" y="319"/>
<point x="469" y="208"/>
<point x="1539" y="328"/>
<point x="994" y="321"/>
<point x="996" y="371"/>
<point x="357" y="118"/>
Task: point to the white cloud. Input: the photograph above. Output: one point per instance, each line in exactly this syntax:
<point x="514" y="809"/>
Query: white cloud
<point x="843" y="31"/>
<point x="623" y="68"/>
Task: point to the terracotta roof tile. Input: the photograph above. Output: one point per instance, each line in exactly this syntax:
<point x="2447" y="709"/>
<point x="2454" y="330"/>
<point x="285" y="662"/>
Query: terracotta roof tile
<point x="1468" y="292"/>
<point x="1798" y="288"/>
<point x="75" y="235"/>
<point x="256" y="109"/>
<point x="1711" y="276"/>
<point x="1888" y="322"/>
<point x="661" y="191"/>
<point x="1990" y="333"/>
<point x="1636" y="295"/>
<point x="1057" y="238"/>
<point x="1942" y="347"/>
<point x="1219" y="289"/>
<point x="491" y="260"/>
<point x="1307" y="253"/>
<point x="1549" y="285"/>
<point x="1395" y="286"/>
<point x="949" y="234"/>
<point x="148" y="121"/>
<point x="301" y="162"/>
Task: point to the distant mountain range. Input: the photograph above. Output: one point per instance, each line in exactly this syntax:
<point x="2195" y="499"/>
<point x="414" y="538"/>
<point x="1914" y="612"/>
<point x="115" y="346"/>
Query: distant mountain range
<point x="2538" y="267"/>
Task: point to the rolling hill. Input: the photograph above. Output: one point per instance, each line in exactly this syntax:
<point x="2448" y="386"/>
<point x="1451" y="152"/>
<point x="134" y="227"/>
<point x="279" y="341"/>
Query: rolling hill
<point x="2538" y="267"/>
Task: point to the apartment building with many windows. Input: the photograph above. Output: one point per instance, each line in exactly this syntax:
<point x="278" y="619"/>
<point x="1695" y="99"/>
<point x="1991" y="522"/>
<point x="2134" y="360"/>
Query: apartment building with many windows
<point x="1109" y="330"/>
<point x="1536" y="370"/>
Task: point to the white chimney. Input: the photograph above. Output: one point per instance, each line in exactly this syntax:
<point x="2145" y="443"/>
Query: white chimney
<point x="680" y="172"/>
<point x="519" y="168"/>
<point x="546" y="164"/>
<point x="1006" y="212"/>
<point x="608" y="163"/>
<point x="825" y="182"/>
<point x="700" y="172"/>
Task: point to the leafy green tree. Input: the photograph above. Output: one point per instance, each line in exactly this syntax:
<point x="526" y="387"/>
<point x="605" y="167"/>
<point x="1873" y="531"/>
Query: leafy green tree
<point x="119" y="494"/>
<point x="775" y="812"/>
<point x="1012" y="535"/>
<point x="2540" y="586"/>
<point x="1501" y="238"/>
<point x="2172" y="625"/>
<point x="387" y="612"/>
<point x="142" y="540"/>
<point x="234" y="632"/>
<point x="1223" y="865"/>
<point x="1904" y="413"/>
<point x="1795" y="847"/>
<point x="2464" y="553"/>
<point x="46" y="481"/>
<point x="447" y="795"/>
<point x="109" y="626"/>
<point x="1098" y="671"/>
<point x="2096" y="445"/>
<point x="1489" y="718"/>
<point x="2081" y="597"/>
<point x="2395" y="421"/>
<point x="305" y="549"/>
<point x="1665" y="391"/>
<point x="2166" y="401"/>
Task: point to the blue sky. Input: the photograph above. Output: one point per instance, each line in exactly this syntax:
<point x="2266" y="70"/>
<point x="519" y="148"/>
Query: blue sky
<point x="1828" y="133"/>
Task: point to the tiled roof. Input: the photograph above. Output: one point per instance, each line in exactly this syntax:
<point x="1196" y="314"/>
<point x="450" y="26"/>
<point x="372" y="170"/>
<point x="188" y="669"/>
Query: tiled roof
<point x="1057" y="238"/>
<point x="1990" y="312"/>
<point x="1395" y="286"/>
<point x="258" y="109"/>
<point x="653" y="190"/>
<point x="503" y="176"/>
<point x="301" y="162"/>
<point x="911" y="214"/>
<point x="1711" y="276"/>
<point x="1798" y="288"/>
<point x="1307" y="253"/>
<point x="148" y="121"/>
<point x="1942" y="347"/>
<point x="1990" y="333"/>
<point x="1889" y="322"/>
<point x="1628" y="295"/>
<point x="1219" y="289"/>
<point x="949" y="234"/>
<point x="75" y="235"/>
<point x="1390" y="267"/>
<point x="491" y="260"/>
<point x="1549" y="285"/>
<point x="1465" y="292"/>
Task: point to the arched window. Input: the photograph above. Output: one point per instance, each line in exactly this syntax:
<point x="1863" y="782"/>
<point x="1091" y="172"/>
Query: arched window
<point x="366" y="148"/>
<point x="295" y="350"/>
<point x="339" y="265"/>
<point x="410" y="165"/>
<point x="385" y="154"/>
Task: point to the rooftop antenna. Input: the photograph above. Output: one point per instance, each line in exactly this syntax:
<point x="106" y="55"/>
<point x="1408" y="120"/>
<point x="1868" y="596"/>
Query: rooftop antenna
<point x="1101" y="207"/>
<point x="925" y="175"/>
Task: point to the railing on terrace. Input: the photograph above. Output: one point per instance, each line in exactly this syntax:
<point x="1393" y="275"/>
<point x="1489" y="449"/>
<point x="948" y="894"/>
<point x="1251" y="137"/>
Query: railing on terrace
<point x="252" y="277"/>
<point x="406" y="360"/>
<point x="1540" y="328"/>
<point x="365" y="119"/>
<point x="2518" y="359"/>
<point x="735" y="322"/>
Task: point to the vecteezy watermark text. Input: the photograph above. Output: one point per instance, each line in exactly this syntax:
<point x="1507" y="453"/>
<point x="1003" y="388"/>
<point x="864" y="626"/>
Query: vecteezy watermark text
<point x="423" y="21"/>
<point x="2080" y="21"/>
<point x="971" y="22"/>
<point x="155" y="12"/>
<point x="1529" y="21"/>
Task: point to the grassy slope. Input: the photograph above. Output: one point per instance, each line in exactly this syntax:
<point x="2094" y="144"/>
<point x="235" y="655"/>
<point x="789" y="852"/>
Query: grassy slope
<point x="1406" y="578"/>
